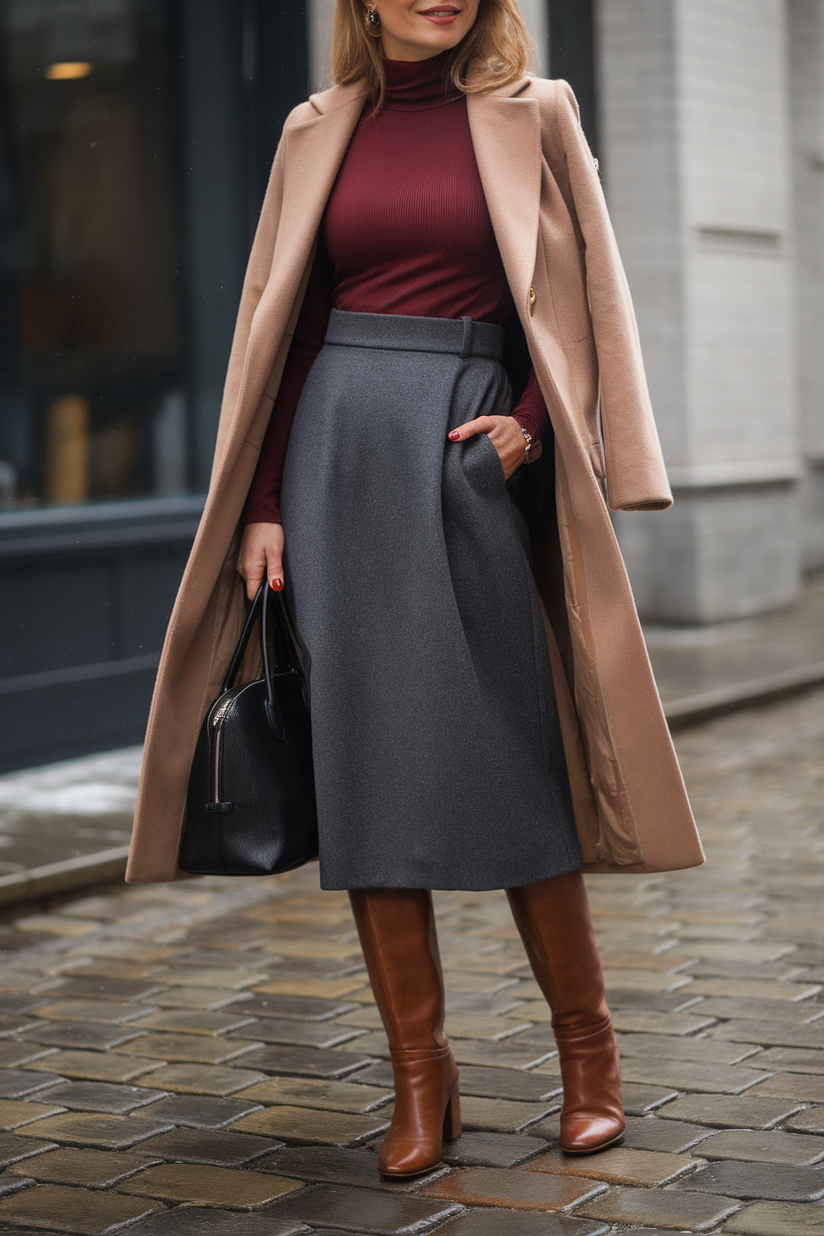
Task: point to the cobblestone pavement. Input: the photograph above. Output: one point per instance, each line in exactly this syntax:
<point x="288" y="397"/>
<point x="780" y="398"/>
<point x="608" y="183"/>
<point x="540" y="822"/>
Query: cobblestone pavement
<point x="207" y="1058"/>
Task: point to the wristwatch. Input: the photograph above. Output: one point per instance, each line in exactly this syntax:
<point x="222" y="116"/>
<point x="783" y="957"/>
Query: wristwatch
<point x="530" y="446"/>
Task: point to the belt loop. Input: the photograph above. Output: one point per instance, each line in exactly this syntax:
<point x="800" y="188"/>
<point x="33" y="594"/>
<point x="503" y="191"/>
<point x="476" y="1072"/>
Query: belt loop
<point x="466" y="345"/>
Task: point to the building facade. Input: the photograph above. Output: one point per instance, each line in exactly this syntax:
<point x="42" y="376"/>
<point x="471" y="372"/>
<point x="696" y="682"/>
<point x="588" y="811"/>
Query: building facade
<point x="135" y="142"/>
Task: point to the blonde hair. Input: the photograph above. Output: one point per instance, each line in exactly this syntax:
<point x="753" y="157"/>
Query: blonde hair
<point x="495" y="51"/>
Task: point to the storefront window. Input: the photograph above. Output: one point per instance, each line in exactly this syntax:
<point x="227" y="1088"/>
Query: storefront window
<point x="92" y="368"/>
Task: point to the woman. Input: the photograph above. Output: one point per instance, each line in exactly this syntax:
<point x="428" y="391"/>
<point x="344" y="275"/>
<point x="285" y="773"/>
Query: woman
<point x="476" y="724"/>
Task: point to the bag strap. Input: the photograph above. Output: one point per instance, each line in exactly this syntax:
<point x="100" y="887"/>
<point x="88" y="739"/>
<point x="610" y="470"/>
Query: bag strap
<point x="237" y="655"/>
<point x="272" y="609"/>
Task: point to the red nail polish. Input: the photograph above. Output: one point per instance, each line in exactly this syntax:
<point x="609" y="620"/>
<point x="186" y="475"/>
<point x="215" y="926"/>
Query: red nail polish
<point x="455" y="435"/>
<point x="277" y="585"/>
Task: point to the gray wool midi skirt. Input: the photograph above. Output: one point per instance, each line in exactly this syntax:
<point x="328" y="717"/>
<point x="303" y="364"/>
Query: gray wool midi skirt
<point x="438" y="754"/>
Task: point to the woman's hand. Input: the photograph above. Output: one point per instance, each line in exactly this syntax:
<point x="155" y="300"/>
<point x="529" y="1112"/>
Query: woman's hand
<point x="261" y="557"/>
<point x="503" y="432"/>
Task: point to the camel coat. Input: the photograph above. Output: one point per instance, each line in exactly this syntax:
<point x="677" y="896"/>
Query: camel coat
<point x="570" y="292"/>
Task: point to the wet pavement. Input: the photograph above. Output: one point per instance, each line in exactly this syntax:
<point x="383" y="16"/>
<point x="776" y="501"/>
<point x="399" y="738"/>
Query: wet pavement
<point x="207" y="1057"/>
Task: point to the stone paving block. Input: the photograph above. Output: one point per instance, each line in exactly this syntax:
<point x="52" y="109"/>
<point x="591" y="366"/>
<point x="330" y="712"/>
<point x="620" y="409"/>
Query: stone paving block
<point x="469" y="1026"/>
<point x="803" y="1086"/>
<point x="618" y="1165"/>
<point x="501" y="1115"/>
<point x="642" y="1021"/>
<point x="199" y="1112"/>
<point x="753" y="989"/>
<point x="372" y="1212"/>
<point x="727" y="1111"/>
<point x="102" y="1097"/>
<point x="14" y="1149"/>
<point x="702" y="1051"/>
<point x="661" y="1208"/>
<point x="86" y="1169"/>
<point x="513" y="1189"/>
<point x="775" y="1182"/>
<point x="212" y="1079"/>
<point x="197" y="1048"/>
<point x="326" y="989"/>
<point x="337" y="1165"/>
<point x="17" y="1052"/>
<point x="792" y="1060"/>
<point x="299" y="1008"/>
<point x="500" y="1054"/>
<point x="56" y="924"/>
<point x="640" y="1099"/>
<point x="519" y="1223"/>
<point x="307" y="1061"/>
<point x="301" y="1034"/>
<point x="83" y="985"/>
<point x="691" y="1075"/>
<point x="198" y="1021"/>
<point x="374" y="1044"/>
<point x="208" y="1186"/>
<point x="14" y="1005"/>
<point x="771" y="1033"/>
<point x="83" y="1034"/>
<point x="513" y="1084"/>
<point x="314" y="1092"/>
<point x="107" y="1011"/>
<point x="760" y="1147"/>
<point x="777" y="1219"/>
<point x="645" y="980"/>
<point x="309" y="1125"/>
<point x="14" y="1113"/>
<point x="95" y="1129"/>
<point x="652" y="1001"/>
<point x="492" y="1150"/>
<point x="59" y="1209"/>
<point x="233" y="977"/>
<point x="15" y="1083"/>
<point x="209" y="1146"/>
<point x="197" y="998"/>
<point x="107" y="1066"/>
<point x="789" y="1011"/>
<point x="667" y="1136"/>
<point x="461" y="983"/>
<point x="198" y="1221"/>
<point x="811" y="1120"/>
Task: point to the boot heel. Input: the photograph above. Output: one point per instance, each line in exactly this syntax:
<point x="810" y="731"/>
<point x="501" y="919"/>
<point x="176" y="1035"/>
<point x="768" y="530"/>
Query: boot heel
<point x="452" y="1117"/>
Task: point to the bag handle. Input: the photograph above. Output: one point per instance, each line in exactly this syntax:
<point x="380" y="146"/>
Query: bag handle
<point x="270" y="606"/>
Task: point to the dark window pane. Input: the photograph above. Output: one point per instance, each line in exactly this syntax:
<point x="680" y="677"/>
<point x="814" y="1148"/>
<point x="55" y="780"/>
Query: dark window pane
<point x="92" y="374"/>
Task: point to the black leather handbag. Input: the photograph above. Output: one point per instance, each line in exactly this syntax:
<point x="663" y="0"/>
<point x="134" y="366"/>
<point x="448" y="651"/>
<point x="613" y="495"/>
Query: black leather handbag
<point x="250" y="807"/>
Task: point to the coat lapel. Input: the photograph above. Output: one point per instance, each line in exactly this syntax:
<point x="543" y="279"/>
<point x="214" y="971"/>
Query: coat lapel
<point x="506" y="135"/>
<point x="313" y="153"/>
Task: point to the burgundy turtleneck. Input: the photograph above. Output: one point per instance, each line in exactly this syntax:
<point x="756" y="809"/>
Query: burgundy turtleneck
<point x="406" y="231"/>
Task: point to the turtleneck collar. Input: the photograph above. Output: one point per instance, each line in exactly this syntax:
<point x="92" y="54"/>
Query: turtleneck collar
<point x="416" y="85"/>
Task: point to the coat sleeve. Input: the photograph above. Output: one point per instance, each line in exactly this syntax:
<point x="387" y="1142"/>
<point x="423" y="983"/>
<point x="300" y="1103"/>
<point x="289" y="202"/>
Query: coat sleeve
<point x="635" y="472"/>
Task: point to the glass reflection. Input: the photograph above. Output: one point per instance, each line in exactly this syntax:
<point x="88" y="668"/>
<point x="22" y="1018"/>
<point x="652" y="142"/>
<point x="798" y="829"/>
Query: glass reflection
<point x="91" y="336"/>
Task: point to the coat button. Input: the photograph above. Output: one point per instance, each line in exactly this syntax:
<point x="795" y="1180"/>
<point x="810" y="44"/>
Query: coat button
<point x="532" y="299"/>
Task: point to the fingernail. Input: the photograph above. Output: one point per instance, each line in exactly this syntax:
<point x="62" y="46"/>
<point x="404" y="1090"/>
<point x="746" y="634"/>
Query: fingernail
<point x="455" y="435"/>
<point x="277" y="585"/>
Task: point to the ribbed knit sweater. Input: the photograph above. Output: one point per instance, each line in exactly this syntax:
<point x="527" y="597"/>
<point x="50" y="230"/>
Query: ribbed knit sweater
<point x="406" y="231"/>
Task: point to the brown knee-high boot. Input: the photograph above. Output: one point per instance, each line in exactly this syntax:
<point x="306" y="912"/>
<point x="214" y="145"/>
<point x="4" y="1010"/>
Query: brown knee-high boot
<point x="397" y="934"/>
<point x="555" y="925"/>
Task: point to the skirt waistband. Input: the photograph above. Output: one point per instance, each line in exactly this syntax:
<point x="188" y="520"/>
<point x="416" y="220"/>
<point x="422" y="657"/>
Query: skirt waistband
<point x="462" y="337"/>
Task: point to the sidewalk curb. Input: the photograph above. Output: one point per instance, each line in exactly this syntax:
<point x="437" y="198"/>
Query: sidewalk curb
<point x="693" y="709"/>
<point x="68" y="876"/>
